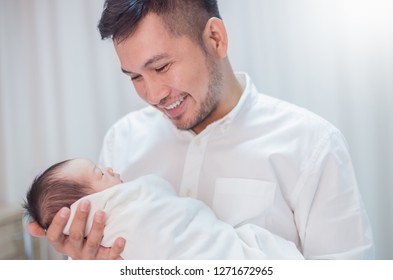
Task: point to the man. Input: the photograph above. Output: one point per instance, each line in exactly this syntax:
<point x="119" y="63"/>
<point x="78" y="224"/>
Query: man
<point x="272" y="172"/>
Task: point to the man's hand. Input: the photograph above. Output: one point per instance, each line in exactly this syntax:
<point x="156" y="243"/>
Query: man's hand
<point x="75" y="245"/>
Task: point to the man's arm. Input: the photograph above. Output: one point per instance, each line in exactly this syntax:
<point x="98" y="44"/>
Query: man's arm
<point x="75" y="245"/>
<point x="329" y="211"/>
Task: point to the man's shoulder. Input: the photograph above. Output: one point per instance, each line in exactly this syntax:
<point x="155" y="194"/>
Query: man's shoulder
<point x="296" y="114"/>
<point x="280" y="117"/>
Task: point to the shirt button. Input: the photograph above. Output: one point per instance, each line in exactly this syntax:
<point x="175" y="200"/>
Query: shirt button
<point x="198" y="142"/>
<point x="189" y="192"/>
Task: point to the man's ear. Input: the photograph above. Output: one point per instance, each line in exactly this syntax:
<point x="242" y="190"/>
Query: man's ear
<point x="215" y="37"/>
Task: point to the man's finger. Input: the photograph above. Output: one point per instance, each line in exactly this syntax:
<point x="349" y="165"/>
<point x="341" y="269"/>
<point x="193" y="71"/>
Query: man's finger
<point x="95" y="236"/>
<point x="117" y="249"/>
<point x="55" y="231"/>
<point x="35" y="230"/>
<point x="78" y="225"/>
<point x="112" y="253"/>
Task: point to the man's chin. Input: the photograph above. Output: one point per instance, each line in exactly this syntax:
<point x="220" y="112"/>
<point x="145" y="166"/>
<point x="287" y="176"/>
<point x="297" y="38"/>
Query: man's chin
<point x="182" y="125"/>
<point x="188" y="124"/>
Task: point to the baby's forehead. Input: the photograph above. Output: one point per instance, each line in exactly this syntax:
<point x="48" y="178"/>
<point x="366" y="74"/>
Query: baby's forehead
<point x="78" y="166"/>
<point x="82" y="162"/>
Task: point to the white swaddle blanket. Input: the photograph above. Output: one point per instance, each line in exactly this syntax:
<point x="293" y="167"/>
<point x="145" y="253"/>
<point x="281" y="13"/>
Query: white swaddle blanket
<point x="157" y="224"/>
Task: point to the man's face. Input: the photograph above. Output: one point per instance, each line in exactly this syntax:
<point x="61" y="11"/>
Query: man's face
<point x="173" y="74"/>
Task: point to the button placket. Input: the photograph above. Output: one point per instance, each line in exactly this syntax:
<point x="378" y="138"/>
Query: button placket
<point x="193" y="166"/>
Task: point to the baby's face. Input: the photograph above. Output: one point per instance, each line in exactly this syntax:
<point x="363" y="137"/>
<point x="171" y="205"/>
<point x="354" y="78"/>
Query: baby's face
<point x="84" y="170"/>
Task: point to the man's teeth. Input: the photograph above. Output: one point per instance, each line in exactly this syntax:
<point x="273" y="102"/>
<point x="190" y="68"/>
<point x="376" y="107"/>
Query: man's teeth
<point x="175" y="104"/>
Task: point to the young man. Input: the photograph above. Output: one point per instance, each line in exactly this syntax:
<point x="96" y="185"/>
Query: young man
<point x="259" y="163"/>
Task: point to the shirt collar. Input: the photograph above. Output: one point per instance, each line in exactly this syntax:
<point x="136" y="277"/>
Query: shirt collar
<point x="246" y="84"/>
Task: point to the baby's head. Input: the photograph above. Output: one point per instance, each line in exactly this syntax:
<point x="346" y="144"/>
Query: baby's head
<point x="64" y="183"/>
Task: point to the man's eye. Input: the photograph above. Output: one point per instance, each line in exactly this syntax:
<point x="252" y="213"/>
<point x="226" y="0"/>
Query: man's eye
<point x="133" y="78"/>
<point x="163" y="68"/>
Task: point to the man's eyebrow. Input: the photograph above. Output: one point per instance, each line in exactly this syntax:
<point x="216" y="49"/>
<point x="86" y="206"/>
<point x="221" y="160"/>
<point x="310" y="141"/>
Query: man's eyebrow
<point x="155" y="59"/>
<point x="148" y="62"/>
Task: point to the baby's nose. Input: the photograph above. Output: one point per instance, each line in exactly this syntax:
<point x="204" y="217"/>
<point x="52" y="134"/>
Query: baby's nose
<point x="110" y="171"/>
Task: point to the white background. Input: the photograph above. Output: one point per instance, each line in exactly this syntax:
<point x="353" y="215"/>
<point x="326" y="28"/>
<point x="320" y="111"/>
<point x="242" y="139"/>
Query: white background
<point x="61" y="86"/>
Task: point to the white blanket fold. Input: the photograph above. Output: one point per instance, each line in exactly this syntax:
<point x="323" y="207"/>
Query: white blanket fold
<point x="157" y="224"/>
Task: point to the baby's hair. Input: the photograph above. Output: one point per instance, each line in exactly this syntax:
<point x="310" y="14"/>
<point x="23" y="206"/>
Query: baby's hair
<point x="49" y="192"/>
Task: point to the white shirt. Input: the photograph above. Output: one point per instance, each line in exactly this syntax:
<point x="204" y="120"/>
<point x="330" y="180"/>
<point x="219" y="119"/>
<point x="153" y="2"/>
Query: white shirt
<point x="158" y="224"/>
<point x="267" y="163"/>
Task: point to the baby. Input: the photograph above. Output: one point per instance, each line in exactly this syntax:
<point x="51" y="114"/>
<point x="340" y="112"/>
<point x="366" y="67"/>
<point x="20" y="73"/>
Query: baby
<point x="64" y="183"/>
<point x="147" y="212"/>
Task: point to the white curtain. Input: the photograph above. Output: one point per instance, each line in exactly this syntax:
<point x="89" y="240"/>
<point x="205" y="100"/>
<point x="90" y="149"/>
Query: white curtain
<point x="61" y="86"/>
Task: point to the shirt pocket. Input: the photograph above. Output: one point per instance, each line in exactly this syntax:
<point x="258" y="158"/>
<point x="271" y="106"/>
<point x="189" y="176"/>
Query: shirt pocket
<point x="237" y="200"/>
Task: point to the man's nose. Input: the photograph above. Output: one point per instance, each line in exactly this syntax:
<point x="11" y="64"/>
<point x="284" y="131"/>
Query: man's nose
<point x="156" y="92"/>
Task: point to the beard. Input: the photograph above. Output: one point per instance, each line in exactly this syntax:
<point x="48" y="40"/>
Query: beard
<point x="211" y="100"/>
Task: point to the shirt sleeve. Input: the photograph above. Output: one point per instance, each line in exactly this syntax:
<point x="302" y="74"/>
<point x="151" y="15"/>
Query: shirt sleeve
<point x="329" y="212"/>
